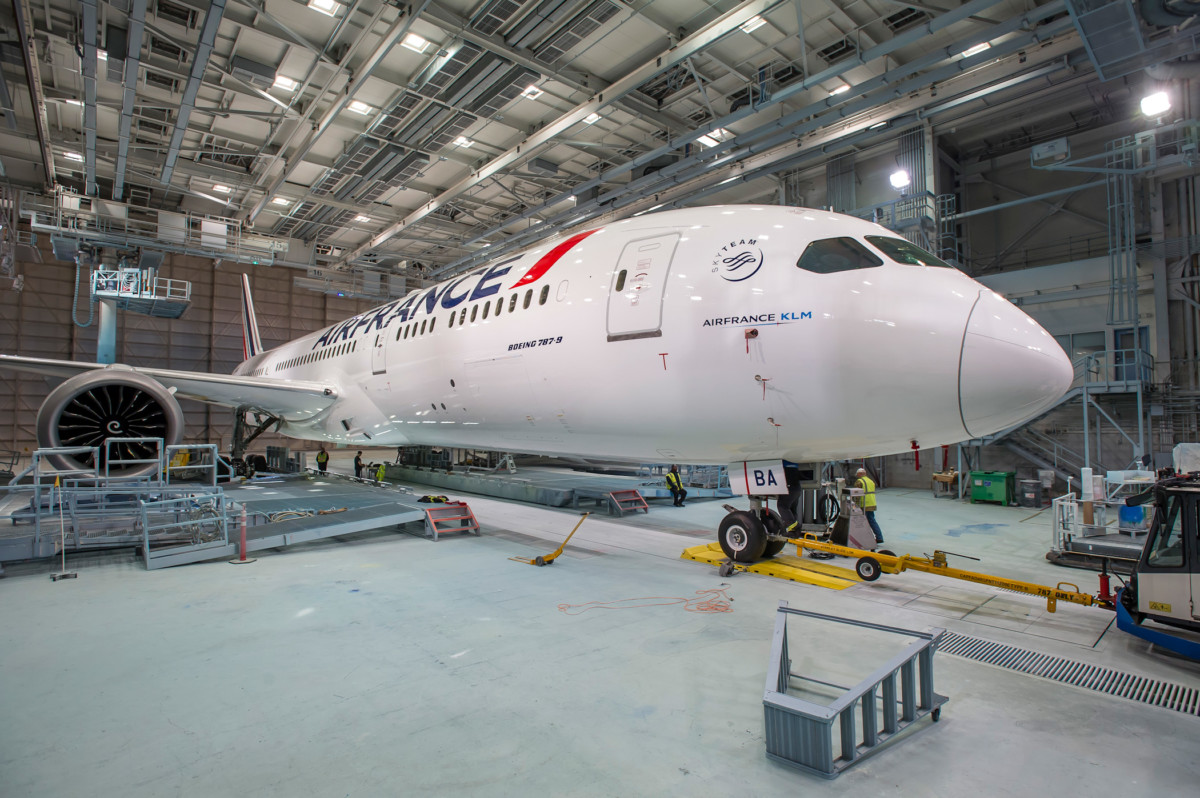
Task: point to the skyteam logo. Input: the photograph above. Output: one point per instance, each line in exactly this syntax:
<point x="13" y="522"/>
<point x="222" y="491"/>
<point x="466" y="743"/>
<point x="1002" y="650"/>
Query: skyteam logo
<point x="738" y="260"/>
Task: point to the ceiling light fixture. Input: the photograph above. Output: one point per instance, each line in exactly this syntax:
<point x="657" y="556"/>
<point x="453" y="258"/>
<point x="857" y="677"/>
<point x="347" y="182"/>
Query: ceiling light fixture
<point x="976" y="50"/>
<point x="753" y="24"/>
<point x="845" y="87"/>
<point x="280" y="201"/>
<point x="899" y="179"/>
<point x="878" y="125"/>
<point x="713" y="137"/>
<point x="359" y="107"/>
<point x="327" y="7"/>
<point x="463" y="141"/>
<point x="74" y="102"/>
<point x="285" y="83"/>
<point x="532" y="93"/>
<point x="220" y="189"/>
<point x="1156" y="104"/>
<point x="417" y="44"/>
<point x="72" y="156"/>
<point x="591" y="118"/>
<point x="361" y="218"/>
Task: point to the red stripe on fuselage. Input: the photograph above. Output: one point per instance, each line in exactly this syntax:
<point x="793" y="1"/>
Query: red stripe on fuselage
<point x="550" y="258"/>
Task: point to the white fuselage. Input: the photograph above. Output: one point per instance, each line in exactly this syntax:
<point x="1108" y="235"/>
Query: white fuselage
<point x="689" y="335"/>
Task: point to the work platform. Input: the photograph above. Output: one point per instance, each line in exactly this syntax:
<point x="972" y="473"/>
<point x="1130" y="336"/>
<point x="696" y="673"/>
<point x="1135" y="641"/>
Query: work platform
<point x="781" y="566"/>
<point x="550" y="487"/>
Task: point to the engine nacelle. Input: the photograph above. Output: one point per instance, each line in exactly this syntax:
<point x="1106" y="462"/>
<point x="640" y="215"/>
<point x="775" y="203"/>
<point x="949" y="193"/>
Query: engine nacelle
<point x="107" y="403"/>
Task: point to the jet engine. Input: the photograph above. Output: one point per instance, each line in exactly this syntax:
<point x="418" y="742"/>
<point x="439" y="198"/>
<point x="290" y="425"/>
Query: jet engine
<point x="109" y="403"/>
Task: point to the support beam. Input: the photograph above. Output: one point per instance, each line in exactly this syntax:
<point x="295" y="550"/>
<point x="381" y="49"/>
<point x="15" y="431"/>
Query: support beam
<point x="395" y="33"/>
<point x="137" y="25"/>
<point x="89" y="97"/>
<point x="34" y="76"/>
<point x="208" y="35"/>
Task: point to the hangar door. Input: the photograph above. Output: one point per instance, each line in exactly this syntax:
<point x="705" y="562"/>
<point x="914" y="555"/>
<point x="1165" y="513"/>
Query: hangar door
<point x="635" y="296"/>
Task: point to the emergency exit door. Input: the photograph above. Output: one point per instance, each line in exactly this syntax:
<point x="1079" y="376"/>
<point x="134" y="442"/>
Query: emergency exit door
<point x="635" y="296"/>
<point x="379" y="353"/>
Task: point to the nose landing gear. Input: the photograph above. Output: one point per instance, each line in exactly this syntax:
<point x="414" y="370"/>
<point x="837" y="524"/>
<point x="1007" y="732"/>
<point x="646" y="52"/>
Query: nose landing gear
<point x="751" y="535"/>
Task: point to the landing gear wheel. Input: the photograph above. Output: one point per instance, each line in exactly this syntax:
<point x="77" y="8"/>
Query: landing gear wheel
<point x="773" y="525"/>
<point x="742" y="537"/>
<point x="867" y="569"/>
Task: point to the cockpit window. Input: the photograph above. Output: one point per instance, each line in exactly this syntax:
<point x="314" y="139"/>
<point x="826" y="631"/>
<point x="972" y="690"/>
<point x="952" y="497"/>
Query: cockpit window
<point x="903" y="251"/>
<point x="829" y="255"/>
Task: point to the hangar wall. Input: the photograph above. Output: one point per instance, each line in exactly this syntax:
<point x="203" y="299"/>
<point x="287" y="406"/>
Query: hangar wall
<point x="37" y="322"/>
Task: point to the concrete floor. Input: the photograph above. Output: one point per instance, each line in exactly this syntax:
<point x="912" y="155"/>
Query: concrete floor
<point x="386" y="664"/>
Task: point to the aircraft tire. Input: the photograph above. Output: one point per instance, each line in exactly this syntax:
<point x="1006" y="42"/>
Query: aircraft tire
<point x="867" y="569"/>
<point x="742" y="536"/>
<point x="773" y="525"/>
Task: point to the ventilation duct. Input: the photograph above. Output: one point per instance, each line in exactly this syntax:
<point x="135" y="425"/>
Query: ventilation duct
<point x="258" y="75"/>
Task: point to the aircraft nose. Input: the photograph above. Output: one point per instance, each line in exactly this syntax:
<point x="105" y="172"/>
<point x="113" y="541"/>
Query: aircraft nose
<point x="1011" y="369"/>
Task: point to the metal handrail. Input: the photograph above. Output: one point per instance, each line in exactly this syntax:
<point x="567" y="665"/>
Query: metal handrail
<point x="1113" y="367"/>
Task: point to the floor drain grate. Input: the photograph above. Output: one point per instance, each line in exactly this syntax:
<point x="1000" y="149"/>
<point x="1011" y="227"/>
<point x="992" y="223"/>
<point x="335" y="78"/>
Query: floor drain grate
<point x="1155" y="692"/>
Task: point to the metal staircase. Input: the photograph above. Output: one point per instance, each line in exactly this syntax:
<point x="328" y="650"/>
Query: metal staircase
<point x="1122" y="371"/>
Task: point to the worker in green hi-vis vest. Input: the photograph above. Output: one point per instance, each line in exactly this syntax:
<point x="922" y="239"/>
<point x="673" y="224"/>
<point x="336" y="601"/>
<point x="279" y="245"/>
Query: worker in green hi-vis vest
<point x="380" y="473"/>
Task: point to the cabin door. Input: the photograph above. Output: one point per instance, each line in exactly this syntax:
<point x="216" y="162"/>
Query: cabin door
<point x="379" y="353"/>
<point x="635" y="295"/>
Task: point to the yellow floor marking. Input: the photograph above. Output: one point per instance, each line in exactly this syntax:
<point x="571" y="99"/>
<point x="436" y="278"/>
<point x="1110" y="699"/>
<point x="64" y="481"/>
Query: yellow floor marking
<point x="782" y="566"/>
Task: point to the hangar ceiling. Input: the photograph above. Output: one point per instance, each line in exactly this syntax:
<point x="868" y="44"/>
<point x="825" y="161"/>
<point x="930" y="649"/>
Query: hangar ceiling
<point x="407" y="138"/>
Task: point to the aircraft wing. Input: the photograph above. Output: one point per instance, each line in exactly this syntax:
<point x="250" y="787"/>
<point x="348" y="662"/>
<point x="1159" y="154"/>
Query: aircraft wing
<point x="283" y="398"/>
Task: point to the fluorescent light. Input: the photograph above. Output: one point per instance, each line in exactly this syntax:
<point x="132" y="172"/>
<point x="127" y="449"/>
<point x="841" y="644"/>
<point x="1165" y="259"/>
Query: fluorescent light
<point x="878" y="125"/>
<point x="74" y="102"/>
<point x="591" y="118"/>
<point x="899" y="179"/>
<point x="845" y="87"/>
<point x="285" y="83"/>
<point x="1156" y="104"/>
<point x="713" y="138"/>
<point x="532" y="92"/>
<point x="753" y="24"/>
<point x="976" y="50"/>
<point x="359" y="107"/>
<point x="463" y="141"/>
<point x="327" y="7"/>
<point x="220" y="189"/>
<point x="72" y="156"/>
<point x="361" y="218"/>
<point x="416" y="43"/>
<point x="281" y="201"/>
<point x="101" y="55"/>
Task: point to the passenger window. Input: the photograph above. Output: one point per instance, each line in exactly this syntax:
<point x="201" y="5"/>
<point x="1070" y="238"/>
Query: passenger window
<point x="528" y="297"/>
<point x="831" y="255"/>
<point x="462" y="317"/>
<point x="422" y="327"/>
<point x="499" y="306"/>
<point x="903" y="251"/>
<point x="544" y="295"/>
<point x="1166" y="547"/>
<point x="398" y="331"/>
<point x="474" y="312"/>
<point x="621" y="280"/>
<point x="432" y="322"/>
<point x="406" y="329"/>
<point x="450" y="321"/>
<point x="512" y="303"/>
<point x="486" y="307"/>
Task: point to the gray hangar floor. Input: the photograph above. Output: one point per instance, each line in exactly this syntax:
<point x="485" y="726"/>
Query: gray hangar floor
<point x="387" y="664"/>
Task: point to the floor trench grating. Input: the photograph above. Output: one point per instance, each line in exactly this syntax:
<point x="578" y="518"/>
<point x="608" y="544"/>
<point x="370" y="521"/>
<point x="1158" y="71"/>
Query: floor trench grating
<point x="1109" y="681"/>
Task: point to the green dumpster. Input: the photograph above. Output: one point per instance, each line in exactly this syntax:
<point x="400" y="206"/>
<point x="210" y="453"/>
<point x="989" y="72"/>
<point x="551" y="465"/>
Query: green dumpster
<point x="993" y="486"/>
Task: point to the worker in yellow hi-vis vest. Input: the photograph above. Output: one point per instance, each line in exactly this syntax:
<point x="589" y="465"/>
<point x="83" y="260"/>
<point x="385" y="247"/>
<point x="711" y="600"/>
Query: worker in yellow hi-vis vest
<point x="675" y="485"/>
<point x="322" y="460"/>
<point x="867" y="501"/>
<point x="380" y="473"/>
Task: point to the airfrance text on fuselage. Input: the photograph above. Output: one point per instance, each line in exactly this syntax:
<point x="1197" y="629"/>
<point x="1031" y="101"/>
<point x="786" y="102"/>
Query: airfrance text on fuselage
<point x="446" y="295"/>
<point x="761" y="318"/>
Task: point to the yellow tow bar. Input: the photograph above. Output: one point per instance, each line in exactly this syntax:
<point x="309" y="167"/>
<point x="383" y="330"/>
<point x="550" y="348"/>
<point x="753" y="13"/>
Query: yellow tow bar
<point x="872" y="563"/>
<point x="552" y="556"/>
